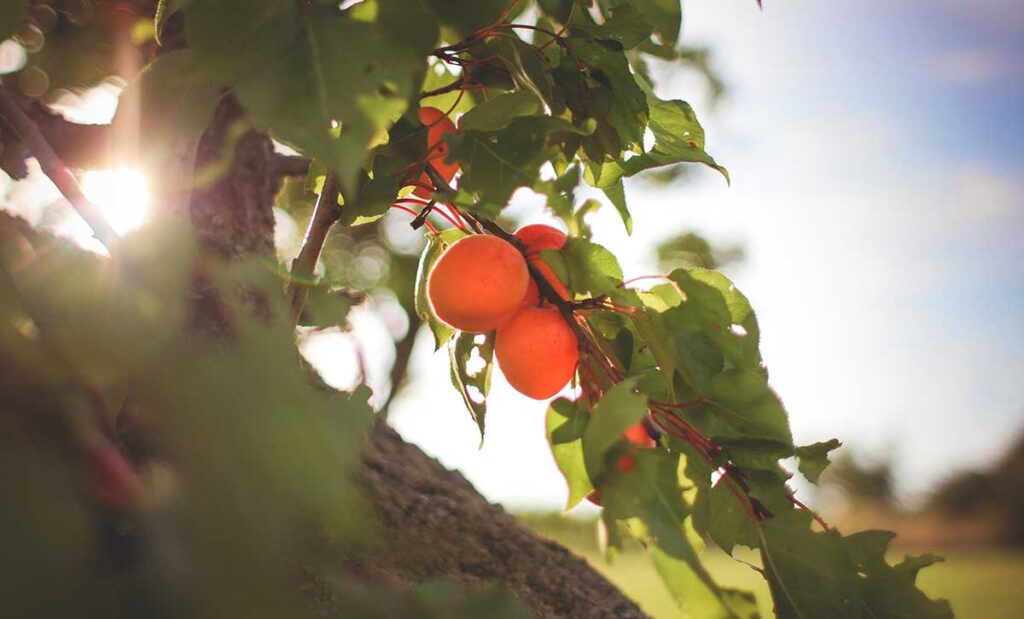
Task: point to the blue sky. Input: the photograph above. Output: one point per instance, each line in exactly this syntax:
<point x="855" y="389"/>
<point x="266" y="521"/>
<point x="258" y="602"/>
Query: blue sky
<point x="878" y="187"/>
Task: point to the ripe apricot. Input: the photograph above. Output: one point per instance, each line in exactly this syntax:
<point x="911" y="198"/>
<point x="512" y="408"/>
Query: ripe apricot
<point x="438" y="124"/>
<point x="538" y="238"/>
<point x="477" y="284"/>
<point x="638" y="435"/>
<point x="537" y="351"/>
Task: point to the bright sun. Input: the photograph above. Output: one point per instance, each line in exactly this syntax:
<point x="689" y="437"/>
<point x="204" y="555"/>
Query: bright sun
<point x="122" y="194"/>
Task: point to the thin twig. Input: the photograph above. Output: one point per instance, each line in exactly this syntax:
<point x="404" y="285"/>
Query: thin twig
<point x="456" y="85"/>
<point x="54" y="168"/>
<point x="325" y="215"/>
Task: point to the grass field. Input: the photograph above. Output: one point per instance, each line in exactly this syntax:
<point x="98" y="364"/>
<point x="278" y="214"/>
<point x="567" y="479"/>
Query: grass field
<point x="979" y="583"/>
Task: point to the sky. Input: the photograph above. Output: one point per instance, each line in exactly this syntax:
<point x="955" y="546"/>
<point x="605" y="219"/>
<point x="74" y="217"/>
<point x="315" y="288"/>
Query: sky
<point x="875" y="150"/>
<point x="876" y="155"/>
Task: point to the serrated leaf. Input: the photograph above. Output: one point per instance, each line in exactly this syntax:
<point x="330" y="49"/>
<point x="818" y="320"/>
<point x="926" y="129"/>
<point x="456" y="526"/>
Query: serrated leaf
<point x="566" y="425"/>
<point x="810" y="574"/>
<point x="678" y="138"/>
<point x="496" y="163"/>
<point x="814" y="458"/>
<point x="743" y="406"/>
<point x="651" y="499"/>
<point x="472" y="383"/>
<point x="592" y="268"/>
<point x="620" y="408"/>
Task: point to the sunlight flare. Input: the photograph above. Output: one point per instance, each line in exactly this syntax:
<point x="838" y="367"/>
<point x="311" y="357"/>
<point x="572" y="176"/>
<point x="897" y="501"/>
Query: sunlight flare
<point x="122" y="194"/>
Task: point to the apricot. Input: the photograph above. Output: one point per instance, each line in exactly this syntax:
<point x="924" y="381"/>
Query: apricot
<point x="477" y="284"/>
<point x="537" y="351"/>
<point x="438" y="124"/>
<point x="638" y="435"/>
<point x="538" y="238"/>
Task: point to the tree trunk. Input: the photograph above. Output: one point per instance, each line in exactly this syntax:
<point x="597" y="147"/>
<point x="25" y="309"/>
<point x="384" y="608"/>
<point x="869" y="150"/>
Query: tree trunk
<point x="437" y="524"/>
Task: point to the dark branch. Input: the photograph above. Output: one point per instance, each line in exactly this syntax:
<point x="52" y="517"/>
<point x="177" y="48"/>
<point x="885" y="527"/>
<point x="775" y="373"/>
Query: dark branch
<point x="456" y="85"/>
<point x="288" y="165"/>
<point x="325" y="215"/>
<point x="54" y="167"/>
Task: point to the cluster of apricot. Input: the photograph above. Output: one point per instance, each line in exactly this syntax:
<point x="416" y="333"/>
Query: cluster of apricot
<point x="483" y="283"/>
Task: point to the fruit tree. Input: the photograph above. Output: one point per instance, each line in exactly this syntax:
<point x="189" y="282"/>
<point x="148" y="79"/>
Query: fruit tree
<point x="166" y="450"/>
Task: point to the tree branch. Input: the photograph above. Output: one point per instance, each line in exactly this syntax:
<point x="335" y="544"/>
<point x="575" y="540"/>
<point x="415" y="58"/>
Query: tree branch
<point x="288" y="165"/>
<point x="54" y="168"/>
<point x="325" y="215"/>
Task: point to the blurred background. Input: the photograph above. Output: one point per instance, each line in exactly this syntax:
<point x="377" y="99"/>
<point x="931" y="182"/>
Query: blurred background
<point x="874" y="220"/>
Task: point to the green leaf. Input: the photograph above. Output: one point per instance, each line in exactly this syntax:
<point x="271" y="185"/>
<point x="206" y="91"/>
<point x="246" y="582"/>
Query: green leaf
<point x="179" y="98"/>
<point x="12" y="14"/>
<point x="473" y="383"/>
<point x="814" y="458"/>
<point x="678" y="138"/>
<point x="466" y="16"/>
<point x="592" y="268"/>
<point x="666" y="15"/>
<point x="810" y="574"/>
<point x="890" y="591"/>
<point x="431" y="252"/>
<point x="627" y="26"/>
<point x="326" y="83"/>
<point x="651" y="500"/>
<point x="496" y="163"/>
<point x="566" y="425"/>
<point x="743" y="406"/>
<point x="605" y="94"/>
<point x="325" y="306"/>
<point x="164" y="10"/>
<point x="617" y="195"/>
<point x="498" y="112"/>
<point x="620" y="408"/>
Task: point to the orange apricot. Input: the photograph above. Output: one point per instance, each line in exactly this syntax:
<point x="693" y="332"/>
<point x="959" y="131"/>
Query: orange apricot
<point x="477" y="284"/>
<point x="637" y="435"/>
<point x="438" y="124"/>
<point x="537" y="351"/>
<point x="538" y="238"/>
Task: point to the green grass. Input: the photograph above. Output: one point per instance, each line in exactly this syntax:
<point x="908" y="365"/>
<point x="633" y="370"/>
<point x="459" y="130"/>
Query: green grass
<point x="980" y="583"/>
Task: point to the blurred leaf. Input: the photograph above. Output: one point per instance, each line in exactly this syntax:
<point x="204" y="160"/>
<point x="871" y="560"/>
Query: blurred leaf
<point x="566" y="424"/>
<point x="179" y="99"/>
<point x="12" y="13"/>
<point x="620" y="408"/>
<point x="814" y="458"/>
<point x="329" y="84"/>
<point x="665" y="15"/>
<point x="627" y="26"/>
